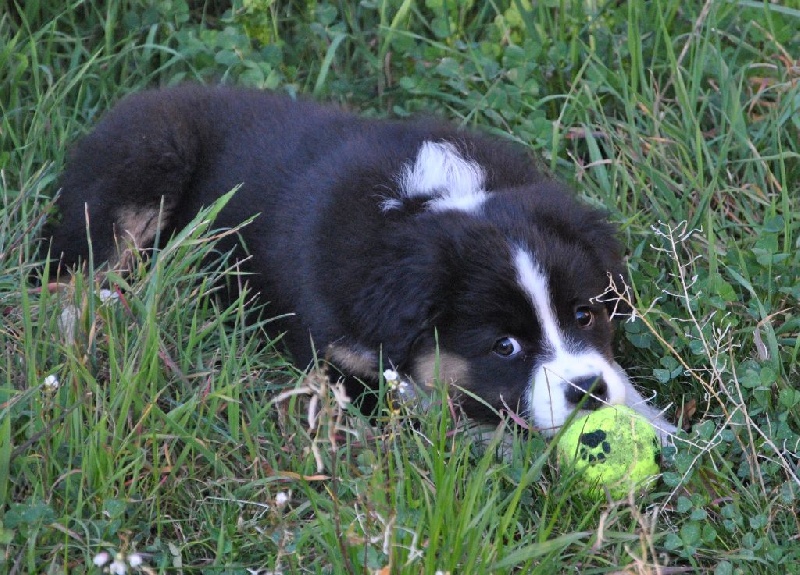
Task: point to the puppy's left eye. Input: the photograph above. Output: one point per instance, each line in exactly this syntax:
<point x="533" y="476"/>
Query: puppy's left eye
<point x="584" y="317"/>
<point x="506" y="347"/>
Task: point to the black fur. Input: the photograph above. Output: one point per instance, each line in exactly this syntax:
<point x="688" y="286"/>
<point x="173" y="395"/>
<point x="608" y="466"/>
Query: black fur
<point x="357" y="277"/>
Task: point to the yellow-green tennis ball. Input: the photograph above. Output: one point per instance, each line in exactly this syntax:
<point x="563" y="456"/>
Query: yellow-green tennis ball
<point x="612" y="448"/>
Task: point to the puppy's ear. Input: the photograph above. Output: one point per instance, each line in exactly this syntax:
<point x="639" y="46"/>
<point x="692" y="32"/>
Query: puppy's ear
<point x="609" y="251"/>
<point x="397" y="302"/>
<point x="397" y="321"/>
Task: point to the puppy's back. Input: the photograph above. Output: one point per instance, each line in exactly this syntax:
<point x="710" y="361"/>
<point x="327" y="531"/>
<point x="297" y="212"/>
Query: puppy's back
<point x="165" y="145"/>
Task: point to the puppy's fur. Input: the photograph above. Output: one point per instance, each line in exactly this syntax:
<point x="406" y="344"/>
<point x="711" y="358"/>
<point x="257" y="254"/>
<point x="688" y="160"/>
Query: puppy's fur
<point x="445" y="250"/>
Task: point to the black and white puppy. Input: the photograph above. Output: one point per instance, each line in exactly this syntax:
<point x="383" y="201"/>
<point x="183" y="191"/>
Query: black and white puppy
<point x="446" y="251"/>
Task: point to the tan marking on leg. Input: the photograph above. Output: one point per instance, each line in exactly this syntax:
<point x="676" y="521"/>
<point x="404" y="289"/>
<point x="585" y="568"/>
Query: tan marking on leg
<point x="136" y="229"/>
<point x="354" y="361"/>
<point x="448" y="368"/>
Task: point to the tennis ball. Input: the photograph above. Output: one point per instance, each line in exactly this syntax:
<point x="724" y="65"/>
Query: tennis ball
<point x="614" y="448"/>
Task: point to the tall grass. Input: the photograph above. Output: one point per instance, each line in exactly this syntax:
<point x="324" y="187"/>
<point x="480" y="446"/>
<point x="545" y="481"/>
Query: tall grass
<point x="177" y="432"/>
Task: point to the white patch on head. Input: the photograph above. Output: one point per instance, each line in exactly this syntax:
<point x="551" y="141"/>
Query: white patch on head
<point x="441" y="173"/>
<point x="564" y="361"/>
<point x="534" y="283"/>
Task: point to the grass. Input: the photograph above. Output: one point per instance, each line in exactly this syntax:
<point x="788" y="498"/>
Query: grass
<point x="164" y="436"/>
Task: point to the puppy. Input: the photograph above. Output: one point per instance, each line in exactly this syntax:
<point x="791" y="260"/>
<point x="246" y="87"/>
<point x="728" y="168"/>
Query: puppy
<point x="443" y="253"/>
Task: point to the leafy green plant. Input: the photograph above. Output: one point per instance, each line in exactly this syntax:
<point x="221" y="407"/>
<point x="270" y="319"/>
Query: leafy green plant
<point x="159" y="421"/>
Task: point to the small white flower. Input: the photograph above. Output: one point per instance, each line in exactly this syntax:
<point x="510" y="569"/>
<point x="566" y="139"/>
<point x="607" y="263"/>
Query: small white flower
<point x="101" y="558"/>
<point x="393" y="379"/>
<point x="281" y="499"/>
<point x="135" y="560"/>
<point x="117" y="567"/>
<point x="51" y="383"/>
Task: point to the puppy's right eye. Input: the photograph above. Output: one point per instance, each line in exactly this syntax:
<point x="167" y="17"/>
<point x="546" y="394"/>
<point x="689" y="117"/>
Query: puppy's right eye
<point x="506" y="347"/>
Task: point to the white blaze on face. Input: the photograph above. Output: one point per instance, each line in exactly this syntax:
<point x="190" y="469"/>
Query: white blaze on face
<point x="441" y="173"/>
<point x="563" y="360"/>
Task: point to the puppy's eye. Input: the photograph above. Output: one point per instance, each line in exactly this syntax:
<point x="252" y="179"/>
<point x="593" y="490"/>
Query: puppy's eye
<point x="506" y="347"/>
<point x="584" y="317"/>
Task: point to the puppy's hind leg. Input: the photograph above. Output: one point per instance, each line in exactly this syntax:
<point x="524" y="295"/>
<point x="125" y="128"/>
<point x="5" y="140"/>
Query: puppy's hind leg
<point x="126" y="178"/>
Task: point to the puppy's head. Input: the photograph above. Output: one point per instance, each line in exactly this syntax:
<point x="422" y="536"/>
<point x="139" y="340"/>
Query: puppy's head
<point x="516" y="308"/>
<point x="523" y="318"/>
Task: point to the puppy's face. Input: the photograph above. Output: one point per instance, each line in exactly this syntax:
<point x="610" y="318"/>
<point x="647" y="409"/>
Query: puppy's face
<point x="520" y="318"/>
<point x="523" y="330"/>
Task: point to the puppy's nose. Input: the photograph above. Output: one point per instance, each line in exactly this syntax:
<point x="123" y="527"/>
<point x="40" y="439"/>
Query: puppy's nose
<point x="594" y="389"/>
